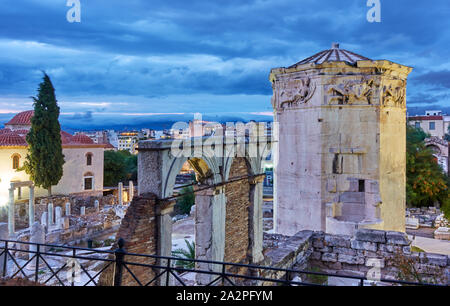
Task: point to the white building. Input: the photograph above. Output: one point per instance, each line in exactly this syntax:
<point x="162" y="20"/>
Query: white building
<point x="83" y="168"/>
<point x="433" y="123"/>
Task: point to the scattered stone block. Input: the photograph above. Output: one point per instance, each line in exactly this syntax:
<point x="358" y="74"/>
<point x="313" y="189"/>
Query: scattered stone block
<point x="435" y="259"/>
<point x="337" y="241"/>
<point x="344" y="251"/>
<point x="354" y="260"/>
<point x="363" y="245"/>
<point x="412" y="223"/>
<point x="371" y="235"/>
<point x="397" y="238"/>
<point x="329" y="257"/>
<point x="442" y="233"/>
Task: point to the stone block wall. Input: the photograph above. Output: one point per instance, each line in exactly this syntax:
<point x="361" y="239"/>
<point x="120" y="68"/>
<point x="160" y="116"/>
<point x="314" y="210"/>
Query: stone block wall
<point x="237" y="214"/>
<point x="390" y="251"/>
<point x="139" y="230"/>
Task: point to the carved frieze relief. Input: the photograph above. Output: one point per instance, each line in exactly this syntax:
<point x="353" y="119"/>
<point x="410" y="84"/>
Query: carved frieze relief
<point x="294" y="92"/>
<point x="394" y="93"/>
<point x="351" y="91"/>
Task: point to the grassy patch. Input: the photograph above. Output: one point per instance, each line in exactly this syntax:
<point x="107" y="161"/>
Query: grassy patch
<point x="417" y="249"/>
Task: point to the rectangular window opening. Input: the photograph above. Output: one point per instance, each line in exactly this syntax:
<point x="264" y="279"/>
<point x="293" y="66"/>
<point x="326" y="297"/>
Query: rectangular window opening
<point x="361" y="187"/>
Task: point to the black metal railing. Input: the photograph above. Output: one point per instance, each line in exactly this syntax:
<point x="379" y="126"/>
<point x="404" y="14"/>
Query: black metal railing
<point x="46" y="263"/>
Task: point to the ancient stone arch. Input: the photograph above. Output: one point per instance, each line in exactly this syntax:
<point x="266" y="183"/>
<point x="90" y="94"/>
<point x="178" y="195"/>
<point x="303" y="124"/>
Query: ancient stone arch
<point x="228" y="196"/>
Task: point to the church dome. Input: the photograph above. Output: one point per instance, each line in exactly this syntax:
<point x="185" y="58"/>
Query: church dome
<point x="23" y="118"/>
<point x="335" y="54"/>
<point x="12" y="140"/>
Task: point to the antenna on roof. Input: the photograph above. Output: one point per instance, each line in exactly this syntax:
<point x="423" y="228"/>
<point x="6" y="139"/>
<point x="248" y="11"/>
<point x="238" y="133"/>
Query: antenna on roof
<point x="335" y="45"/>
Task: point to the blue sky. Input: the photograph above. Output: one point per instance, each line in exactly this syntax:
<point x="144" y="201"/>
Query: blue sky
<point x="131" y="60"/>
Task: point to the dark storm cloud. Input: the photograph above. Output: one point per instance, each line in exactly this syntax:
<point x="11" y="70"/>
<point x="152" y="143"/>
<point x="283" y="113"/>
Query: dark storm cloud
<point x="157" y="48"/>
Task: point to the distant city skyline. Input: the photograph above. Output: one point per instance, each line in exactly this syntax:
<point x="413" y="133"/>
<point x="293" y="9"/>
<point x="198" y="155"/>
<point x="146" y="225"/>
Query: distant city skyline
<point x="141" y="62"/>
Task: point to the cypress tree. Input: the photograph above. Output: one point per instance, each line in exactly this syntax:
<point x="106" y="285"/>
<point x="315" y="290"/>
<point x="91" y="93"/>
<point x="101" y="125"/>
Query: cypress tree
<point x="44" y="161"/>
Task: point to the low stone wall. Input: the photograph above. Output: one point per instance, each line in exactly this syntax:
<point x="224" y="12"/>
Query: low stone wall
<point x="370" y="253"/>
<point x="368" y="249"/>
<point x="286" y="253"/>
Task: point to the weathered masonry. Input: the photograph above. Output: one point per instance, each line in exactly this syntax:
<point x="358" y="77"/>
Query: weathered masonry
<point x="340" y="157"/>
<point x="228" y="224"/>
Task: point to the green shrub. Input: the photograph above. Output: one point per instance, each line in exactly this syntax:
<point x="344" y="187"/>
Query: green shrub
<point x="185" y="202"/>
<point x="185" y="254"/>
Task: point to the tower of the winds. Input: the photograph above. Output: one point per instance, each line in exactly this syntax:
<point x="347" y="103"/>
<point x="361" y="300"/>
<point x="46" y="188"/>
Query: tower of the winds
<point x="340" y="158"/>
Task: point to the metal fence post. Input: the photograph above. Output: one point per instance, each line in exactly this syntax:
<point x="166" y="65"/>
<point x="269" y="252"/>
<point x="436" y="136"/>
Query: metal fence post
<point x="36" y="271"/>
<point x="168" y="272"/>
<point x="73" y="267"/>
<point x="5" y="259"/>
<point x="119" y="254"/>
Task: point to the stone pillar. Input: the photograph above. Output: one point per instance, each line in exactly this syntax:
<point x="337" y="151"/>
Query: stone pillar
<point x="130" y="191"/>
<point x="31" y="207"/>
<point x="11" y="217"/>
<point x="44" y="219"/>
<point x="164" y="232"/>
<point x="4" y="236"/>
<point x="256" y="219"/>
<point x="65" y="223"/>
<point x="50" y="214"/>
<point x="209" y="230"/>
<point x="58" y="215"/>
<point x="68" y="212"/>
<point x="120" y="193"/>
<point x="82" y="210"/>
<point x="97" y="205"/>
<point x="37" y="236"/>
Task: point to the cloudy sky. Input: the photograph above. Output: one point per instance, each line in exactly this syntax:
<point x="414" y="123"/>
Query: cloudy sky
<point x="131" y="60"/>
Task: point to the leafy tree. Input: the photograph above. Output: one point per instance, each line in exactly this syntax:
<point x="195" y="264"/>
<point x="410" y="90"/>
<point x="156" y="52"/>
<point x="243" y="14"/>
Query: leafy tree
<point x="425" y="181"/>
<point x="44" y="161"/>
<point x="186" y="201"/>
<point x="119" y="166"/>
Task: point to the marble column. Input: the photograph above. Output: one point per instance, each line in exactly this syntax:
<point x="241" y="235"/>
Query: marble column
<point x="130" y="191"/>
<point x="256" y="219"/>
<point x="50" y="214"/>
<point x="209" y="230"/>
<point x="68" y="210"/>
<point x="164" y="228"/>
<point x="120" y="193"/>
<point x="11" y="217"/>
<point x="31" y="207"/>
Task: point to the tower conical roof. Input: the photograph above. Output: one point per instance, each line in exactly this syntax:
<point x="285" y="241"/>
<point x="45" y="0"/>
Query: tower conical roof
<point x="335" y="54"/>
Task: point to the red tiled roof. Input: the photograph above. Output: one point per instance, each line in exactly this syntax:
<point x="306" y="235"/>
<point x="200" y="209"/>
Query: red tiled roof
<point x="426" y="118"/>
<point x="109" y="146"/>
<point x="4" y="131"/>
<point x="66" y="138"/>
<point x="12" y="140"/>
<point x="81" y="139"/>
<point x="23" y="118"/>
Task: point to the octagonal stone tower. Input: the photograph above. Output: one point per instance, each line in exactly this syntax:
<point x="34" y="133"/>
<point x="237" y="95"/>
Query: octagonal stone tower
<point x="340" y="159"/>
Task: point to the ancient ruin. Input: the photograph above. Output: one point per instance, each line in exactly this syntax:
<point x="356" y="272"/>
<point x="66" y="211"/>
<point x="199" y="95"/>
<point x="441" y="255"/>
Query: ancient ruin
<point x="340" y="156"/>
